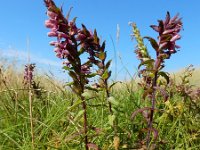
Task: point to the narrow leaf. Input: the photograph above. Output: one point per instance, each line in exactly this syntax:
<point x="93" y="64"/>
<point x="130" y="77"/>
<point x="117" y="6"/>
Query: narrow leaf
<point x="108" y="64"/>
<point x="114" y="84"/>
<point x="81" y="51"/>
<point x="153" y="42"/>
<point x="113" y="101"/>
<point x="69" y="83"/>
<point x="146" y="62"/>
<point x="106" y="75"/>
<point x="164" y="75"/>
<point x="91" y="75"/>
<point x="66" y="68"/>
<point x="140" y="111"/>
<point x="103" y="46"/>
<point x="111" y="119"/>
<point x="80" y="113"/>
<point x="68" y="13"/>
<point x="102" y="56"/>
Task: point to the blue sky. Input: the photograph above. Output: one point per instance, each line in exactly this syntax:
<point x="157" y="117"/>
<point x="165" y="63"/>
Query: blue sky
<point x="24" y="19"/>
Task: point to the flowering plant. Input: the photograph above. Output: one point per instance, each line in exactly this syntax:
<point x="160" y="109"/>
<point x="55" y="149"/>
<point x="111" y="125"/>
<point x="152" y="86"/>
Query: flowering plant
<point x="71" y="45"/>
<point x="164" y="47"/>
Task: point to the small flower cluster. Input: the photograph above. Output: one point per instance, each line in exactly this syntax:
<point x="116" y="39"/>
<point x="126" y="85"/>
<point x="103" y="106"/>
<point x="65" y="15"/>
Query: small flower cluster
<point x="28" y="73"/>
<point x="141" y="49"/>
<point x="143" y="55"/>
<point x="168" y="30"/>
<point x="184" y="88"/>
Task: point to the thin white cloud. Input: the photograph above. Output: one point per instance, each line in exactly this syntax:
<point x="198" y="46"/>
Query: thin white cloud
<point x="23" y="56"/>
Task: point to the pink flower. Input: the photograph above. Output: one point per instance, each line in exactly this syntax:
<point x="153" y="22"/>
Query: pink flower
<point x="62" y="35"/>
<point x="51" y="23"/>
<point x="174" y="38"/>
<point x="85" y="69"/>
<point x="52" y="34"/>
<point x="28" y="73"/>
<point x="51" y="14"/>
<point x="80" y="37"/>
<point x="168" y="33"/>
<point x="73" y="29"/>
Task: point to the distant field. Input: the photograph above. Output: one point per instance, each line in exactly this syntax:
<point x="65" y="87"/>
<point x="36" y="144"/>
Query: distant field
<point x="194" y="80"/>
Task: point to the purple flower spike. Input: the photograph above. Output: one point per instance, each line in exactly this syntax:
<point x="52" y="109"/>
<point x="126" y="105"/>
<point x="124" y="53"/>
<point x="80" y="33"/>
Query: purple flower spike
<point x="28" y="73"/>
<point x="168" y="30"/>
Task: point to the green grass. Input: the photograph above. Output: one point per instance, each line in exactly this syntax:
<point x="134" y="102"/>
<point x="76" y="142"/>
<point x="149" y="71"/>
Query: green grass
<point x="58" y="118"/>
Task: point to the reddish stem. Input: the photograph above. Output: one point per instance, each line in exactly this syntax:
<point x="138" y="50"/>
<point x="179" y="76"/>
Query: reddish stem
<point x="85" y="122"/>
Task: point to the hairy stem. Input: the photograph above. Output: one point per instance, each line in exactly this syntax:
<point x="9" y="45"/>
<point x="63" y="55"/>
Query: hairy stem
<point x="85" y="122"/>
<point x="153" y="101"/>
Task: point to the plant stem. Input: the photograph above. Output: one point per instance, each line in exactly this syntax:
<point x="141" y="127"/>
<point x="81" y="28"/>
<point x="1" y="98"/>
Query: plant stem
<point x="110" y="106"/>
<point x="31" y="115"/>
<point x="153" y="101"/>
<point x="107" y="96"/>
<point x="85" y="122"/>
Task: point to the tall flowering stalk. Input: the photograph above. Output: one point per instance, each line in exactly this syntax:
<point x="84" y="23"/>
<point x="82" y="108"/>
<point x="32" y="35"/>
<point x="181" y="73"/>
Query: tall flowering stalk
<point x="28" y="74"/>
<point x="28" y="80"/>
<point x="70" y="45"/>
<point x="164" y="47"/>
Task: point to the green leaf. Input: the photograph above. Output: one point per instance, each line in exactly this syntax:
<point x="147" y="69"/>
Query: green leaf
<point x="108" y="64"/>
<point x="69" y="83"/>
<point x="114" y="84"/>
<point x="146" y="62"/>
<point x="103" y="46"/>
<point x="91" y="75"/>
<point x="164" y="75"/>
<point x="68" y="13"/>
<point x="74" y="19"/>
<point x="106" y="74"/>
<point x="102" y="56"/>
<point x="111" y="119"/>
<point x="153" y="42"/>
<point x="66" y="68"/>
<point x="78" y="102"/>
<point x="87" y="94"/>
<point x="81" y="51"/>
<point x="80" y="113"/>
<point x="113" y="101"/>
<point x="85" y="31"/>
<point x="96" y="39"/>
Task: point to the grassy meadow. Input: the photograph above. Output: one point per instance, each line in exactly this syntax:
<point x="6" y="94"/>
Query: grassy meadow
<point x="57" y="116"/>
<point x="157" y="111"/>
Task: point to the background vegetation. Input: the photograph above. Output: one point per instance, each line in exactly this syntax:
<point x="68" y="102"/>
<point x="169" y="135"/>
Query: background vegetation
<point x="57" y="117"/>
